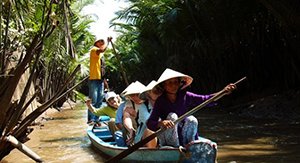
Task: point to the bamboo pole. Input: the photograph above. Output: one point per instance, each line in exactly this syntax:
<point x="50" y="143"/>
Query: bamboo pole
<point x="23" y="148"/>
<point x="119" y="61"/>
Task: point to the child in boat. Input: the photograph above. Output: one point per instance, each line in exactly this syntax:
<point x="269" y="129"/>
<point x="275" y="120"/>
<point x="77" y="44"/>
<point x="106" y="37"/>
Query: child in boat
<point x="113" y="102"/>
<point x="135" y="114"/>
<point x="173" y="103"/>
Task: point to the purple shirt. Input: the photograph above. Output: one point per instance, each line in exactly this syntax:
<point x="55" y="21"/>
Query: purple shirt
<point x="185" y="101"/>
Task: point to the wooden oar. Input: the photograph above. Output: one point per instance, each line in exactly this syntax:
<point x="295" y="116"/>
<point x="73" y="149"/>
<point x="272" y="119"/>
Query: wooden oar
<point x="152" y="136"/>
<point x="121" y="65"/>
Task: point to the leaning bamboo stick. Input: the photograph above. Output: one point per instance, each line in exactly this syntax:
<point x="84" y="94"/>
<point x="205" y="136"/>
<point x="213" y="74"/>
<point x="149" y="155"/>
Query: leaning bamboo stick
<point x="23" y="148"/>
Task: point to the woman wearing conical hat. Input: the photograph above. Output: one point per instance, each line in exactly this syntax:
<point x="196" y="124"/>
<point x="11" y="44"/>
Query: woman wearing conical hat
<point x="135" y="114"/>
<point x="119" y="116"/>
<point x="149" y="95"/>
<point x="173" y="103"/>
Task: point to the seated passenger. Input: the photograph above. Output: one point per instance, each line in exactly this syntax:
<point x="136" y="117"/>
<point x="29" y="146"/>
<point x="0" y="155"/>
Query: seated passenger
<point x="150" y="94"/>
<point x="173" y="103"/>
<point x="119" y="136"/>
<point x="119" y="115"/>
<point x="113" y="102"/>
<point x="136" y="113"/>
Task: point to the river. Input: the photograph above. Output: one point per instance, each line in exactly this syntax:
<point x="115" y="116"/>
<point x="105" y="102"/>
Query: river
<point x="62" y="138"/>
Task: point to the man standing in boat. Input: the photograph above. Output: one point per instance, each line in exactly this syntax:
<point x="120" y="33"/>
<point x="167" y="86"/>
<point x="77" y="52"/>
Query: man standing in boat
<point x="96" y="84"/>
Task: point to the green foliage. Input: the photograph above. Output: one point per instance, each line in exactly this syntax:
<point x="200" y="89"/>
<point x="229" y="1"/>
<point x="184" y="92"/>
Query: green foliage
<point x="213" y="41"/>
<point x="49" y="40"/>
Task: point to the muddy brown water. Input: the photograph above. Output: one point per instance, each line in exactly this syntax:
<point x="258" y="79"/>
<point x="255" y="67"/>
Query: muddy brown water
<point x="63" y="139"/>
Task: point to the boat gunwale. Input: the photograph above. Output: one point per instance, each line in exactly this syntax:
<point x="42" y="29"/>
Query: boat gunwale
<point x="92" y="135"/>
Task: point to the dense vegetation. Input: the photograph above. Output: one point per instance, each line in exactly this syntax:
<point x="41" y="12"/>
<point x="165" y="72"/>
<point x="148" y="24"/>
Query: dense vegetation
<point x="215" y="42"/>
<point x="48" y="40"/>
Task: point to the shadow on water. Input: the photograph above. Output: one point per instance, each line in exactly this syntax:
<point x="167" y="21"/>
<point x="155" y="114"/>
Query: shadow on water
<point x="73" y="139"/>
<point x="65" y="117"/>
<point x="63" y="138"/>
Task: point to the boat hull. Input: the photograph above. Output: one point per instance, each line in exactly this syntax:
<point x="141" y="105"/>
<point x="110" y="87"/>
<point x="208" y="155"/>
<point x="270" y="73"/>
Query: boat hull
<point x="103" y="141"/>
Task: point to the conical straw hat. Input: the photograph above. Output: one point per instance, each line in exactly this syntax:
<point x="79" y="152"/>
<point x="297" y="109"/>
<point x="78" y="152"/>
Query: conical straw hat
<point x="134" y="88"/>
<point x="169" y="74"/>
<point x="147" y="88"/>
<point x="125" y="90"/>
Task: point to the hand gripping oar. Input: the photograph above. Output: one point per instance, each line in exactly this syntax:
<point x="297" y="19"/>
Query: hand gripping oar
<point x="152" y="136"/>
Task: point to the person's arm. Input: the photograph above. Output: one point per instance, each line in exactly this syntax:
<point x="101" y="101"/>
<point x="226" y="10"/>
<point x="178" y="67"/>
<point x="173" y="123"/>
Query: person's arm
<point x="97" y="50"/>
<point x="119" y="116"/>
<point x="153" y="120"/>
<point x="91" y="108"/>
<point x="102" y="49"/>
<point x="127" y="113"/>
<point x="197" y="99"/>
<point x="127" y="122"/>
<point x="97" y="112"/>
<point x="192" y="100"/>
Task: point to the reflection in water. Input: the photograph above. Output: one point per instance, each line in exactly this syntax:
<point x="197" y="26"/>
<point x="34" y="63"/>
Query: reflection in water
<point x="64" y="139"/>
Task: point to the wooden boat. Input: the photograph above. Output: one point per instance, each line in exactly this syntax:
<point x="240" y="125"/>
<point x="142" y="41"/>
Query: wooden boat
<point x="102" y="139"/>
